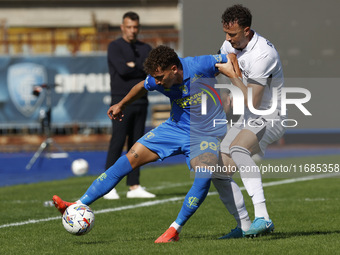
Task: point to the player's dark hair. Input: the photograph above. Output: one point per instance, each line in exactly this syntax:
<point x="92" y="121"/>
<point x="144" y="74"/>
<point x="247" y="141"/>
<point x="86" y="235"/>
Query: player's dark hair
<point x="131" y="15"/>
<point x="163" y="57"/>
<point x="237" y="14"/>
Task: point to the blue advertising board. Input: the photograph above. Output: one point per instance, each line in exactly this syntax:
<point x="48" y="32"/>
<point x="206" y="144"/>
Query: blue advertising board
<point x="79" y="87"/>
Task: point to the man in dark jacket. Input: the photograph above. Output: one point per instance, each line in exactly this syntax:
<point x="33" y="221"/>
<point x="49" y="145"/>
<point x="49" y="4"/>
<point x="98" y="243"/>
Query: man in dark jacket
<point x="126" y="56"/>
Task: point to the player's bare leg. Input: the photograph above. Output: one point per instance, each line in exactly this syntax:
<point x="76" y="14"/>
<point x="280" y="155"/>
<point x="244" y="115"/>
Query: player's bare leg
<point x="140" y="155"/>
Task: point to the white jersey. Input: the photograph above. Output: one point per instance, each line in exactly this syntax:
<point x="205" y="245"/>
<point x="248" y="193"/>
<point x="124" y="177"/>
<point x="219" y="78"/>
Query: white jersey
<point x="260" y="64"/>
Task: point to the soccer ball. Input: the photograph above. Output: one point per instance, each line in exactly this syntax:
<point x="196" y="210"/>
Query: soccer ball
<point x="80" y="167"/>
<point x="78" y="219"/>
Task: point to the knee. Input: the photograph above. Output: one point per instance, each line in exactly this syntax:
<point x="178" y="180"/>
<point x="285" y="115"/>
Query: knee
<point x="133" y="160"/>
<point x="204" y="160"/>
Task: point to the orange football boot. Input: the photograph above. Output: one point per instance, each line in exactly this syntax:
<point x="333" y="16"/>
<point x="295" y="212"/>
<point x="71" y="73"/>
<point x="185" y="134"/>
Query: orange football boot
<point x="171" y="235"/>
<point x="60" y="204"/>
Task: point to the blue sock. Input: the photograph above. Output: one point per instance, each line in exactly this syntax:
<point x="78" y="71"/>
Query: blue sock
<point x="195" y="196"/>
<point x="107" y="180"/>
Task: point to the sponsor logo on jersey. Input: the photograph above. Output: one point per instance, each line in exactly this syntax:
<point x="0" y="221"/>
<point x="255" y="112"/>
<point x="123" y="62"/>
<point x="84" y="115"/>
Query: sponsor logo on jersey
<point x="189" y="100"/>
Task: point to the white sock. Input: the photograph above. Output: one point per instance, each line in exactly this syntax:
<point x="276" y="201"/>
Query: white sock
<point x="232" y="198"/>
<point x="261" y="211"/>
<point x="176" y="226"/>
<point x="251" y="178"/>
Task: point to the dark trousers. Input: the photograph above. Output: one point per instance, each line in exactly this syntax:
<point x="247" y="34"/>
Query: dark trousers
<point x="132" y="126"/>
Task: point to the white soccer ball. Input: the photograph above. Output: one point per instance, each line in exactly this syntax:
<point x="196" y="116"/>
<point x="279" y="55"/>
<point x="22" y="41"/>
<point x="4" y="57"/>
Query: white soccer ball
<point x="80" y="167"/>
<point x="78" y="219"/>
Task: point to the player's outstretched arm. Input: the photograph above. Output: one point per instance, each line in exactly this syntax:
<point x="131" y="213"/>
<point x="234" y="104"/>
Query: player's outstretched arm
<point x="232" y="70"/>
<point x="115" y="112"/>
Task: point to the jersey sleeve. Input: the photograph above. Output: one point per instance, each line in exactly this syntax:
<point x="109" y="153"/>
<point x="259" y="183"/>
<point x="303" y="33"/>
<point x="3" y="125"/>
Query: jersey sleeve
<point x="226" y="48"/>
<point x="262" y="70"/>
<point x="149" y="83"/>
<point x="207" y="63"/>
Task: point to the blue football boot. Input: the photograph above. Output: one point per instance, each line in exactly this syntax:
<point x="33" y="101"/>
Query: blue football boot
<point x="259" y="227"/>
<point x="234" y="233"/>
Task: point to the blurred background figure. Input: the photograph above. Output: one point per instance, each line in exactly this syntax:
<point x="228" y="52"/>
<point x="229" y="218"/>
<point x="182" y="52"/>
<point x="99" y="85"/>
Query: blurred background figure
<point x="126" y="56"/>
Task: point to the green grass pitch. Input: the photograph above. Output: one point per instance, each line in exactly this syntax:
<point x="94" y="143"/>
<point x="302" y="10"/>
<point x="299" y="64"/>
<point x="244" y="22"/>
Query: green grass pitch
<point x="305" y="214"/>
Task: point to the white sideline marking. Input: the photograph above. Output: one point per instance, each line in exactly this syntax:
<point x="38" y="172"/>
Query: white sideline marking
<point x="145" y="204"/>
<point x="315" y="199"/>
<point x="28" y="222"/>
<point x="172" y="185"/>
<point x="156" y="202"/>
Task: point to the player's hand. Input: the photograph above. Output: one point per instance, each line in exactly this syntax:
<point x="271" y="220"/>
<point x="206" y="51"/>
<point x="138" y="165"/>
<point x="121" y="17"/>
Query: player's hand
<point x="227" y="69"/>
<point x="231" y="68"/>
<point x="131" y="64"/>
<point x="233" y="59"/>
<point x="115" y="112"/>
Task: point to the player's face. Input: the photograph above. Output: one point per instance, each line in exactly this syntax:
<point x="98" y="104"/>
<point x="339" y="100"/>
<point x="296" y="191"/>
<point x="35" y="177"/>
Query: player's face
<point x="130" y="29"/>
<point x="166" y="78"/>
<point x="236" y="35"/>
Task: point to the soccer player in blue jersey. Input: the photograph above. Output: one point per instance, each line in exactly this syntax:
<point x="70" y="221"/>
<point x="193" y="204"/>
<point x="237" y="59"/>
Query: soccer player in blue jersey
<point x="187" y="82"/>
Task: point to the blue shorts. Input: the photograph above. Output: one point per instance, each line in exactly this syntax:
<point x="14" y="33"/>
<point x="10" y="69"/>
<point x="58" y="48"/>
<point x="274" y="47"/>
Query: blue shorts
<point x="168" y="140"/>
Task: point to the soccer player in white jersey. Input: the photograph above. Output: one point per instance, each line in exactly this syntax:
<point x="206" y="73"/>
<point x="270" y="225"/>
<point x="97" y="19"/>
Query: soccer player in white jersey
<point x="262" y="73"/>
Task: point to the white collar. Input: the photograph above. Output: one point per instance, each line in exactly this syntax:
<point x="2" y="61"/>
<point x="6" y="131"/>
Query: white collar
<point x="251" y="43"/>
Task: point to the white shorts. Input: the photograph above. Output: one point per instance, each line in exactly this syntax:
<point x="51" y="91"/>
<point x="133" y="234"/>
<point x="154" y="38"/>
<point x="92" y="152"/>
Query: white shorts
<point x="268" y="129"/>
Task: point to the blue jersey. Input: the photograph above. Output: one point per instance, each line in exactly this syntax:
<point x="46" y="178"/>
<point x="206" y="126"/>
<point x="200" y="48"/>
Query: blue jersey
<point x="186" y="98"/>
